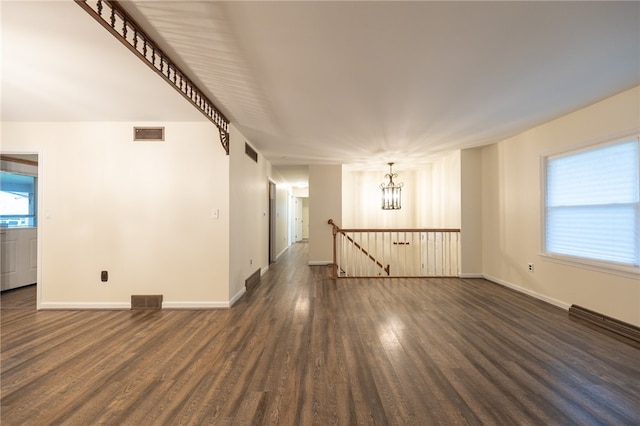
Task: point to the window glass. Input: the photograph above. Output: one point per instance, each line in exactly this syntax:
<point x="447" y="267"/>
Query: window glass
<point x="592" y="204"/>
<point x="17" y="200"/>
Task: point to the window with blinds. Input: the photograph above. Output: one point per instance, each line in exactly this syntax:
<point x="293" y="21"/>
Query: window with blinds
<point x="592" y="204"/>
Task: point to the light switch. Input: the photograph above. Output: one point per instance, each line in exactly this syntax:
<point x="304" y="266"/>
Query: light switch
<point x="215" y="213"/>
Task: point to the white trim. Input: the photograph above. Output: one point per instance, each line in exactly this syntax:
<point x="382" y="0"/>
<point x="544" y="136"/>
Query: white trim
<point x="39" y="151"/>
<point x="127" y="306"/>
<point x="39" y="233"/>
<point x="281" y="253"/>
<point x="319" y="262"/>
<point x="264" y="270"/>
<point x="593" y="265"/>
<point x="195" y="305"/>
<point x="539" y="296"/>
<point x="472" y="275"/>
<point x="237" y="297"/>
<point x="84" y="306"/>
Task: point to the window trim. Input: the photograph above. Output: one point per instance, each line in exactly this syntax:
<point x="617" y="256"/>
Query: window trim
<point x="593" y="265"/>
<point x="617" y="268"/>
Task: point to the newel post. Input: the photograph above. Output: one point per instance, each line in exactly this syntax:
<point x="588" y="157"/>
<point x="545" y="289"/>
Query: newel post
<point x="334" y="231"/>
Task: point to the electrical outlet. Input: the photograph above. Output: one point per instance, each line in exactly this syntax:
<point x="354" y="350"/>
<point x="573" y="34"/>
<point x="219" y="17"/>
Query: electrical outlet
<point x="531" y="267"/>
<point x="104" y="276"/>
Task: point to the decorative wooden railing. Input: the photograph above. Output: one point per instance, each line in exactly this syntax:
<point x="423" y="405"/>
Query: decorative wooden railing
<point x="113" y="17"/>
<point x="365" y="252"/>
<point x="393" y="253"/>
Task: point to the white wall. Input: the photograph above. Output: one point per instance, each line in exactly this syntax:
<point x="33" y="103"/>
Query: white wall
<point x="140" y="210"/>
<point x="512" y="211"/>
<point x="361" y="198"/>
<point x="249" y="221"/>
<point x="438" y="193"/>
<point x="325" y="202"/>
<point x="430" y="196"/>
<point x="300" y="192"/>
<point x="471" y="212"/>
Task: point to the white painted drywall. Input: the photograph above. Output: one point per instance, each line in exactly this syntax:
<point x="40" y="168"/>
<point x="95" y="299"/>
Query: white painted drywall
<point x="140" y="210"/>
<point x="471" y="211"/>
<point x="249" y="221"/>
<point x="430" y="196"/>
<point x="512" y="210"/>
<point x="325" y="202"/>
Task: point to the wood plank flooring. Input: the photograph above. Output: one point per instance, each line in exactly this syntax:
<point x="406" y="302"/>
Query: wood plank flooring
<point x="301" y="349"/>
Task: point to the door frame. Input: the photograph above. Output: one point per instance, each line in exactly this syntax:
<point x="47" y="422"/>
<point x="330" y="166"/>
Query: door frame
<point x="272" y="221"/>
<point x="39" y="214"/>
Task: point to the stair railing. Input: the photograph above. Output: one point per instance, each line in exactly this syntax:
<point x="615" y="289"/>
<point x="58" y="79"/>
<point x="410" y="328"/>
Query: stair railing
<point x="111" y="15"/>
<point x="426" y="252"/>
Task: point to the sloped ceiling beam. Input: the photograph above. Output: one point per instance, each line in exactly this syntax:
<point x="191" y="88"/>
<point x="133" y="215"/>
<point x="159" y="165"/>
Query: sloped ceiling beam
<point x="113" y="17"/>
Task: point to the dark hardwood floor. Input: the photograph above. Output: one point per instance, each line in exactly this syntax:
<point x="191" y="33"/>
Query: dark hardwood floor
<point x="302" y="349"/>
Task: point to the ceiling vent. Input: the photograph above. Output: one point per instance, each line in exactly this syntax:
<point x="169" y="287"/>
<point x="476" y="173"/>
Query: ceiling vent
<point x="251" y="153"/>
<point x="148" y="133"/>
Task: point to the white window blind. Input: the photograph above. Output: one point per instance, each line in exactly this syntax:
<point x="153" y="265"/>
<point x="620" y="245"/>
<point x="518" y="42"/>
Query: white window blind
<point x="593" y="204"/>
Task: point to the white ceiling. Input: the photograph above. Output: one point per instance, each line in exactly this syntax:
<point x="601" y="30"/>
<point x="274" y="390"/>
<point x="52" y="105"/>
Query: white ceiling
<point x="350" y="82"/>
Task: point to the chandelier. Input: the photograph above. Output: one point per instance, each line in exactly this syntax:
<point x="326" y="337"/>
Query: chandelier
<point x="391" y="191"/>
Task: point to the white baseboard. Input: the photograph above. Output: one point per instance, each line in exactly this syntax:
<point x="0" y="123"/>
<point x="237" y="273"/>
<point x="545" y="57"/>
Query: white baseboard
<point x="65" y="306"/>
<point x="281" y="253"/>
<point x="539" y="296"/>
<point x="319" y="262"/>
<point x="84" y="306"/>
<point x="237" y="297"/>
<point x="264" y="270"/>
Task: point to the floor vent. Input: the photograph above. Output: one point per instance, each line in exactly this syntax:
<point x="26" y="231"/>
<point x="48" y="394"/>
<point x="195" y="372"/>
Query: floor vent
<point x="609" y="324"/>
<point x="253" y="280"/>
<point x="146" y="301"/>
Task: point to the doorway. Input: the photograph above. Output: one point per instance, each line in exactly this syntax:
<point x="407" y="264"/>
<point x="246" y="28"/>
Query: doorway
<point x="19" y="248"/>
<point x="272" y="222"/>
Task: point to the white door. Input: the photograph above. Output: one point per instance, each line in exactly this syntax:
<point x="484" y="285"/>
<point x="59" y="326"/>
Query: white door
<point x="305" y="218"/>
<point x="298" y="219"/>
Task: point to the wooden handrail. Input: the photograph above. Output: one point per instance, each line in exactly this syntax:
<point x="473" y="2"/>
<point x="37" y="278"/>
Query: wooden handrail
<point x="112" y="16"/>
<point x="330" y="222"/>
<point x="334" y="231"/>
<point x="396" y="229"/>
<point x="412" y="252"/>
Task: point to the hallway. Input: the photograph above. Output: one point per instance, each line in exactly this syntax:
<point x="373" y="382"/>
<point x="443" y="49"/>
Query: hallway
<point x="302" y="349"/>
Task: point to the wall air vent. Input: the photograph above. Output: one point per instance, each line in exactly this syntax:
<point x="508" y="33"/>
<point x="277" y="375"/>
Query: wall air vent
<point x="148" y="133"/>
<point x="251" y="153"/>
<point x="146" y="301"/>
<point x="253" y="280"/>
